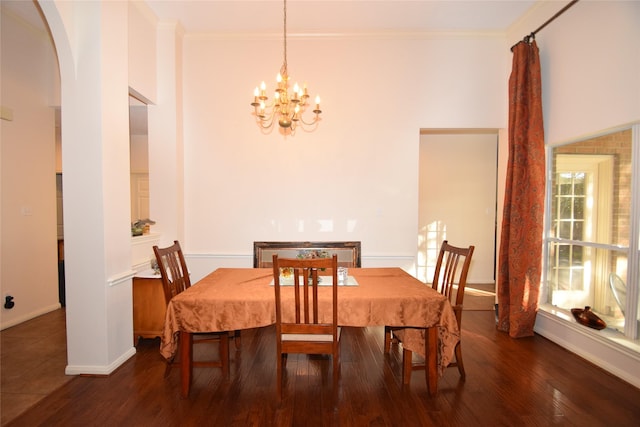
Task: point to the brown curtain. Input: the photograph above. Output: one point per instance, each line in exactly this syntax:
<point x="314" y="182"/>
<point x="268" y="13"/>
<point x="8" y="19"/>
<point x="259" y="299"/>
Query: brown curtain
<point x="520" y="265"/>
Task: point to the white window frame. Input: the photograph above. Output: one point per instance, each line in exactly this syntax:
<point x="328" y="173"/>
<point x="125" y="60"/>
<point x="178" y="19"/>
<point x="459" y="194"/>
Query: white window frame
<point x="633" y="251"/>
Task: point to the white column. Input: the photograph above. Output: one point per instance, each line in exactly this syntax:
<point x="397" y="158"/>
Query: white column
<point x="166" y="151"/>
<point x="91" y="41"/>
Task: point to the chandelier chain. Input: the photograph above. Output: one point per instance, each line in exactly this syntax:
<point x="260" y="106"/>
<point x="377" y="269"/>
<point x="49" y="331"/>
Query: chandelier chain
<point x="284" y="64"/>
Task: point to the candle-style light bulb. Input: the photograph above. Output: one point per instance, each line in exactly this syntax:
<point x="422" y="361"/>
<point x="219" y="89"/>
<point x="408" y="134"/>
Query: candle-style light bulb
<point x="296" y="89"/>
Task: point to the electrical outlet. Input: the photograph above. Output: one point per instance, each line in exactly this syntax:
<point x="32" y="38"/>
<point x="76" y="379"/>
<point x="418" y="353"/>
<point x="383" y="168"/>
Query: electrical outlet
<point x="9" y="303"/>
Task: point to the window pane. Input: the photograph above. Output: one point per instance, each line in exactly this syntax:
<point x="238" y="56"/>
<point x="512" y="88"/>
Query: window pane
<point x="565" y="183"/>
<point x="579" y="179"/>
<point x="564" y="230"/>
<point x="565" y="208"/>
<point x="577" y="231"/>
<point x="578" y="207"/>
<point x="577" y="256"/>
<point x="580" y="276"/>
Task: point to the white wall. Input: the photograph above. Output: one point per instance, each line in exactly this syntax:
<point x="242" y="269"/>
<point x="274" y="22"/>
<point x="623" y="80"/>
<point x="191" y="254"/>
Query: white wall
<point x="141" y="51"/>
<point x="29" y="265"/>
<point x="590" y="66"/>
<point x="591" y="82"/>
<point x="356" y="176"/>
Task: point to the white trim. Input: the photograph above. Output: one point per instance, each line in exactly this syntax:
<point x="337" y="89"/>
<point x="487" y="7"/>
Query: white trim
<point x="592" y="135"/>
<point x="145" y="238"/>
<point x="122" y="277"/>
<point x="364" y="35"/>
<point x="631" y="327"/>
<point x="100" y="370"/>
<point x="29" y="316"/>
<point x="607" y="349"/>
<point x="141" y="266"/>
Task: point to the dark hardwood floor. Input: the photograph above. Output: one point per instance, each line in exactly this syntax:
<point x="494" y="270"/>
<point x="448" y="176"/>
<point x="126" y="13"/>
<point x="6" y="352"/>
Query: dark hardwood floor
<point x="530" y="382"/>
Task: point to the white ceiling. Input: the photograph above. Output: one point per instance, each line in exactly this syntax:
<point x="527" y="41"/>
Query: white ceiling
<point x="341" y="16"/>
<point x="325" y="16"/>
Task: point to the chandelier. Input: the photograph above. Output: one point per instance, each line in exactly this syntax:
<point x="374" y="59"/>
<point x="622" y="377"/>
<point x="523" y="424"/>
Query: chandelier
<point x="287" y="108"/>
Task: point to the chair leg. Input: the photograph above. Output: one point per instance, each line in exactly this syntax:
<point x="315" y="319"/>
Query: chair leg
<point x="336" y="376"/>
<point x="407" y="366"/>
<point x="236" y="337"/>
<point x="387" y="339"/>
<point x="174" y="361"/>
<point x="224" y="354"/>
<point x="459" y="362"/>
<point x="167" y="369"/>
<point x="279" y="368"/>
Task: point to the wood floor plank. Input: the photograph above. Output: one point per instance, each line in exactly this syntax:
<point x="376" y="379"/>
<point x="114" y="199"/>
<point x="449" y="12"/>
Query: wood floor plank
<point x="528" y="381"/>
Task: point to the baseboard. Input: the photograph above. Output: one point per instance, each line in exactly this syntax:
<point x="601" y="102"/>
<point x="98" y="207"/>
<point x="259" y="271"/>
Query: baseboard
<point x="601" y="348"/>
<point x="100" y="370"/>
<point x="29" y="316"/>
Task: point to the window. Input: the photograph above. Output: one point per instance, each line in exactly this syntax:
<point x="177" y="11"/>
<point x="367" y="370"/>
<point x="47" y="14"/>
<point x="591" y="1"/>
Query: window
<point x="590" y="261"/>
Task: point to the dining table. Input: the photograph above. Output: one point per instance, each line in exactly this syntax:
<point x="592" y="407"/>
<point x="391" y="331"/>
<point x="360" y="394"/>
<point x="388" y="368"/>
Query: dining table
<point x="232" y="299"/>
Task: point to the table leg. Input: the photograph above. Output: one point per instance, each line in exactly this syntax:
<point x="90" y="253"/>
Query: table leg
<point x="407" y="366"/>
<point x="186" y="365"/>
<point x="431" y="370"/>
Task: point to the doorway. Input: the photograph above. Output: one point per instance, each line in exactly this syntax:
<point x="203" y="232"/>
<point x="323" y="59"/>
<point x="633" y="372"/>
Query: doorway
<point x="457" y="198"/>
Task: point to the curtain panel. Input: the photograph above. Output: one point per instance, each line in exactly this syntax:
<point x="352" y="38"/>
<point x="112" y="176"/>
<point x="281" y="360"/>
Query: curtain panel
<point x="520" y="256"/>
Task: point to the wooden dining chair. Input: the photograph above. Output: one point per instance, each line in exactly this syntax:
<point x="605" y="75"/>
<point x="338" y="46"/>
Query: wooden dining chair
<point x="450" y="279"/>
<point x="304" y="325"/>
<point x="175" y="279"/>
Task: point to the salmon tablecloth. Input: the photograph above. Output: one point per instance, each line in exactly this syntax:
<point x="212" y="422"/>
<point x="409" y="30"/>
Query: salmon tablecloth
<point x="231" y="299"/>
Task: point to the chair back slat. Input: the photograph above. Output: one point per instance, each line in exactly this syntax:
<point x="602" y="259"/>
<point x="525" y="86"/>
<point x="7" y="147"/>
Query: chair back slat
<point x="450" y="277"/>
<point x="173" y="270"/>
<point x="304" y="274"/>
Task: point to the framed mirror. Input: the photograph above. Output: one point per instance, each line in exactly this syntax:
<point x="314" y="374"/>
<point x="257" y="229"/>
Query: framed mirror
<point x="348" y="252"/>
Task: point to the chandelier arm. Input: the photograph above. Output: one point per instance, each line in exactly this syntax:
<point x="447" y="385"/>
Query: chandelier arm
<point x="305" y="126"/>
<point x="267" y="120"/>
<point x="265" y="124"/>
<point x="312" y="122"/>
